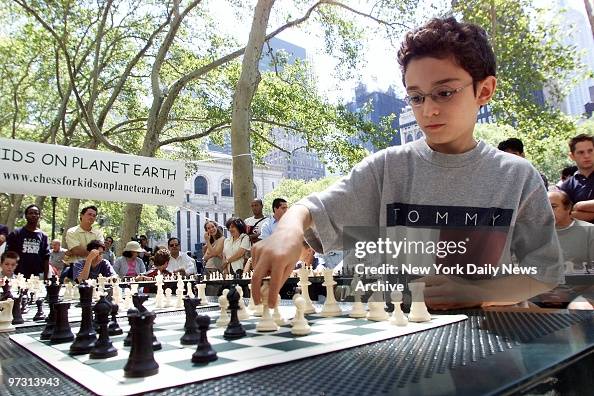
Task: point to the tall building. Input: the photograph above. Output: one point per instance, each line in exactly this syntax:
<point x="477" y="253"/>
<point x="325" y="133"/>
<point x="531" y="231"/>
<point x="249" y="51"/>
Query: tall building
<point x="383" y="104"/>
<point x="301" y="163"/>
<point x="409" y="129"/>
<point x="209" y="196"/>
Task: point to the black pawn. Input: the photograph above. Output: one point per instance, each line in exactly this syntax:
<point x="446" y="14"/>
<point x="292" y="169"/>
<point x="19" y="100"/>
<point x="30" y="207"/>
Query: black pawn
<point x="17" y="316"/>
<point x="53" y="291"/>
<point x="191" y="335"/>
<point x="6" y="292"/>
<point x="141" y="361"/>
<point x="31" y="294"/>
<point x="113" y="326"/>
<point x="86" y="336"/>
<point x="234" y="329"/>
<point x="103" y="348"/>
<point x="39" y="315"/>
<point x="24" y="302"/>
<point x="62" y="332"/>
<point x="204" y="352"/>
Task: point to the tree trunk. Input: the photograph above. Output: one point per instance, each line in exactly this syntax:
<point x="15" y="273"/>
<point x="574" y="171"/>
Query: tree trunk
<point x="130" y="227"/>
<point x="40" y="202"/>
<point x="589" y="14"/>
<point x="71" y="217"/>
<point x="243" y="172"/>
<point x="13" y="213"/>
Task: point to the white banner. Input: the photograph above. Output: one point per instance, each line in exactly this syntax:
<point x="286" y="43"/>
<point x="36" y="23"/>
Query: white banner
<point x="59" y="171"/>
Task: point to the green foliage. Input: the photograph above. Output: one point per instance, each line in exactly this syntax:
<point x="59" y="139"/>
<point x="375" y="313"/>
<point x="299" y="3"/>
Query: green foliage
<point x="530" y="55"/>
<point x="294" y="190"/>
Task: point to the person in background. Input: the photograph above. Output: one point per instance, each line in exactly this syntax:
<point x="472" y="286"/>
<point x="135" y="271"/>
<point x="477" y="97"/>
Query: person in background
<point x="78" y="237"/>
<point x="516" y="147"/>
<point x="56" y="259"/>
<point x="566" y="173"/>
<point x="255" y="222"/>
<point x="3" y="235"/>
<point x="145" y="256"/>
<point x="179" y="263"/>
<point x="160" y="263"/>
<point x="129" y="264"/>
<point x="31" y="244"/>
<point x="213" y="248"/>
<point x="108" y="253"/>
<point x="94" y="264"/>
<point x="8" y="264"/>
<point x="279" y="207"/>
<point x="235" y="246"/>
<point x="580" y="186"/>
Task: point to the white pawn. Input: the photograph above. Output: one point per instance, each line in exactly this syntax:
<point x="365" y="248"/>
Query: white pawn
<point x="376" y="308"/>
<point x="358" y="309"/>
<point x="224" y="318"/>
<point x="300" y="325"/>
<point x="266" y="323"/>
<point x="117" y="294"/>
<point x="128" y="299"/>
<point x="134" y="288"/>
<point x="179" y="294"/>
<point x="276" y="315"/>
<point x="398" y="318"/>
<point x="190" y="292"/>
<point x="418" y="309"/>
<point x="330" y="307"/>
<point x="168" y="293"/>
<point x="304" y="285"/>
<point x="242" y="312"/>
<point x="201" y="292"/>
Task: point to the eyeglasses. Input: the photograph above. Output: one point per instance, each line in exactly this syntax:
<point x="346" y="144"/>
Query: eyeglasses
<point x="440" y="94"/>
<point x="174" y="245"/>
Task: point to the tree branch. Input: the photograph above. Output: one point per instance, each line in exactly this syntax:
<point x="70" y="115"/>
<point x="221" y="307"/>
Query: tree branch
<point x="180" y="139"/>
<point x="270" y="142"/>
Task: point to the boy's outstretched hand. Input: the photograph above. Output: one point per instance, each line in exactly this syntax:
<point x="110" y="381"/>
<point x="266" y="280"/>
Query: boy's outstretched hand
<point x="277" y="255"/>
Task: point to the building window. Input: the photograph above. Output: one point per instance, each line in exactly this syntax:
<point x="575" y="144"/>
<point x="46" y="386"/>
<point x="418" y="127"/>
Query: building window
<point x="200" y="185"/>
<point x="255" y="191"/>
<point x="226" y="188"/>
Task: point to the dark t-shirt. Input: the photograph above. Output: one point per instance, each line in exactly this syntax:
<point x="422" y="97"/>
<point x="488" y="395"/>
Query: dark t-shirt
<point x="103" y="267"/>
<point x="32" y="247"/>
<point x="3" y="230"/>
<point x="579" y="188"/>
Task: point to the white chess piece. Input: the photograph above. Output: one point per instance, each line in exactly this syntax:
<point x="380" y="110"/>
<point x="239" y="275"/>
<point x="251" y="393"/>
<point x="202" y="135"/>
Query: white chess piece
<point x="189" y="292"/>
<point x="256" y="310"/>
<point x="242" y="313"/>
<point x="179" y="294"/>
<point x="266" y="323"/>
<point x="6" y="315"/>
<point x="276" y="315"/>
<point x="180" y="283"/>
<point x="376" y="306"/>
<point x="330" y="307"/>
<point x="300" y="325"/>
<point x="134" y="288"/>
<point x="398" y="318"/>
<point x="168" y="293"/>
<point x="128" y="299"/>
<point x="304" y="285"/>
<point x="358" y="309"/>
<point x="201" y="292"/>
<point x="418" y="309"/>
<point x="224" y="318"/>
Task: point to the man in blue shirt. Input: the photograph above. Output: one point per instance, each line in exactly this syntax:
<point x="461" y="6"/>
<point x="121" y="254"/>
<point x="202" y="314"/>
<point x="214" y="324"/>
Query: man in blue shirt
<point x="279" y="207"/>
<point x="580" y="186"/>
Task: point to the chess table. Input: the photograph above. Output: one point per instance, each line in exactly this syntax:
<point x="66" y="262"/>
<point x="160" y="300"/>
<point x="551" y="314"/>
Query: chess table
<point x="495" y="351"/>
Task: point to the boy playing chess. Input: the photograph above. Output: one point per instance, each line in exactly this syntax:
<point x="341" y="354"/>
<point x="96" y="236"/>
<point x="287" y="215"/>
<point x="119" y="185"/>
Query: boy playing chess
<point x="160" y="262"/>
<point x="450" y="183"/>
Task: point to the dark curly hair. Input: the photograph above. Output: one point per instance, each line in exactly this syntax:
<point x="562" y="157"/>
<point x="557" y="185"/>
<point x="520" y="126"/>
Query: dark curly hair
<point x="466" y="43"/>
<point x="238" y="223"/>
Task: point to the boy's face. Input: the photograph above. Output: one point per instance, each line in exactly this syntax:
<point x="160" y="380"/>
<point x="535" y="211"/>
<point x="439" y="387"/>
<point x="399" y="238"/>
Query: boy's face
<point x="583" y="155"/>
<point x="448" y="125"/>
<point x="8" y="266"/>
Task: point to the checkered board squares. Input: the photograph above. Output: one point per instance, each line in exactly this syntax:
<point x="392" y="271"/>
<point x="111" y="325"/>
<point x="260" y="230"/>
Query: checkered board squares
<point x="106" y="376"/>
<point x="75" y="313"/>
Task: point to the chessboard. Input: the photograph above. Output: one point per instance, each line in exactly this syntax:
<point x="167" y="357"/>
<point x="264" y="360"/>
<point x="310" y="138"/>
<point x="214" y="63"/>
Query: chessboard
<point x="75" y="313"/>
<point x="256" y="349"/>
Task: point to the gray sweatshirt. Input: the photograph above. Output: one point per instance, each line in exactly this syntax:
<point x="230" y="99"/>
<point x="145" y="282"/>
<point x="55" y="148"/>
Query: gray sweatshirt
<point x="489" y="200"/>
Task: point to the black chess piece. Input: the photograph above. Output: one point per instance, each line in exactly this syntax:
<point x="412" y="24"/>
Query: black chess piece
<point x="39" y="315"/>
<point x="191" y="335"/>
<point x="204" y="352"/>
<point x="103" y="348"/>
<point x="6" y="292"/>
<point x="31" y="295"/>
<point x="139" y="299"/>
<point x="141" y="361"/>
<point x="17" y="316"/>
<point x="53" y="291"/>
<point x="234" y="329"/>
<point x="62" y="332"/>
<point x="24" y="301"/>
<point x="113" y="326"/>
<point x="86" y="336"/>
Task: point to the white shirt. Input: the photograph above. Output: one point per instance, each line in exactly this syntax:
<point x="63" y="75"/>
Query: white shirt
<point x="252" y="220"/>
<point x="182" y="261"/>
<point x="232" y="246"/>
